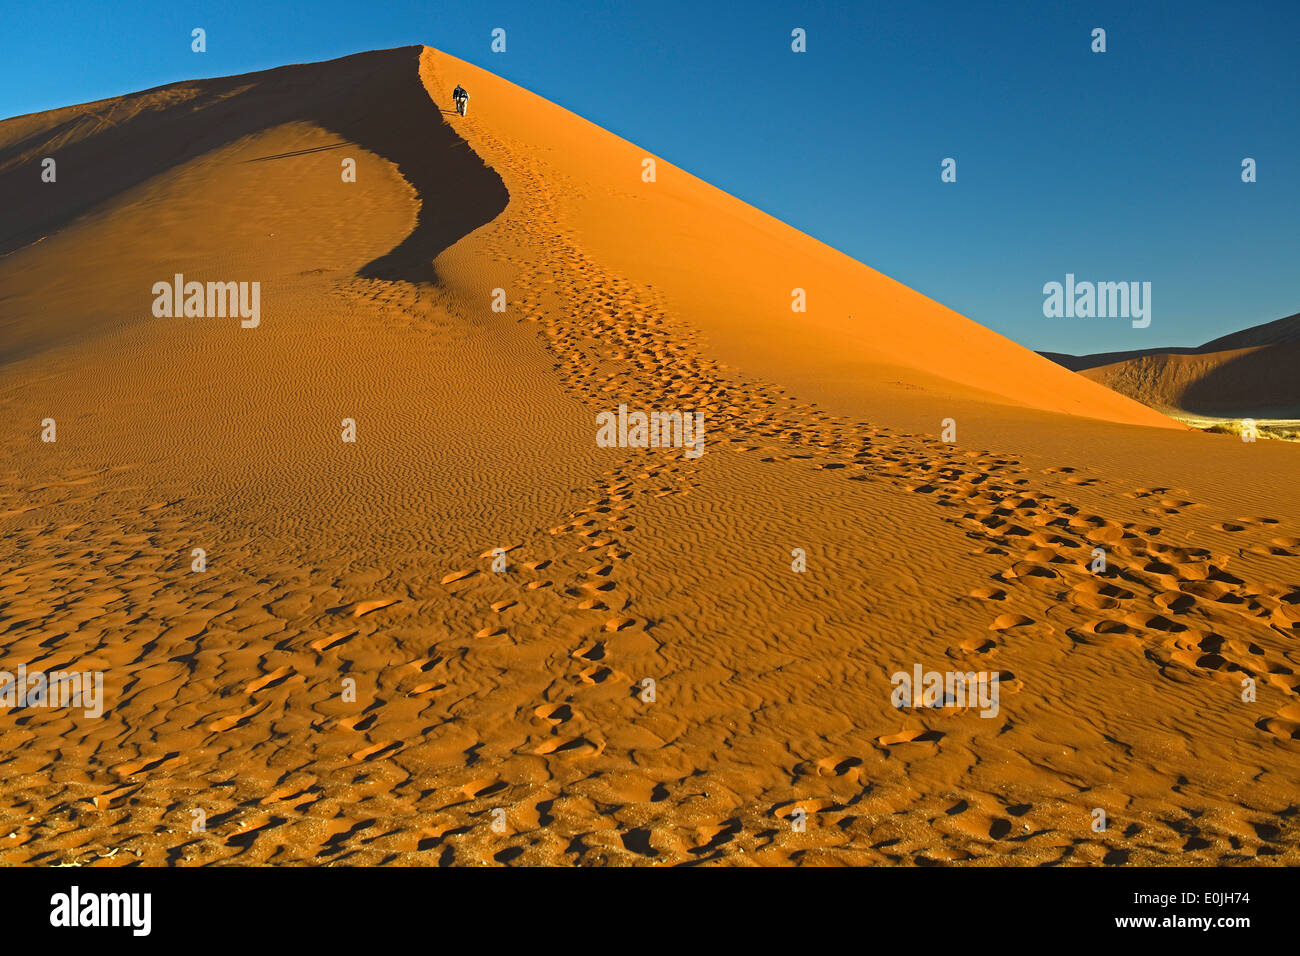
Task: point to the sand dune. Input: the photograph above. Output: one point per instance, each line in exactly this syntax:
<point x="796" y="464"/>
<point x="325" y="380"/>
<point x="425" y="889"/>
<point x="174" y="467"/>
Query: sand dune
<point x="1246" y="373"/>
<point x="648" y="680"/>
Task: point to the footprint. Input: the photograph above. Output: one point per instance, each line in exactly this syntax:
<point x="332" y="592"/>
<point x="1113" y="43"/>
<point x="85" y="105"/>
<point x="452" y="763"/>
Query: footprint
<point x="1004" y="622"/>
<point x="1175" y="601"/>
<point x="365" y="607"/>
<point x="554" y="714"/>
<point x="593" y="652"/>
<point x="1152" y="622"/>
<point x="575" y="747"/>
<point x="325" y="643"/>
<point x="909" y="735"/>
<point x="1285" y="725"/>
<point x="277" y="676"/>
<point x="837" y="766"/>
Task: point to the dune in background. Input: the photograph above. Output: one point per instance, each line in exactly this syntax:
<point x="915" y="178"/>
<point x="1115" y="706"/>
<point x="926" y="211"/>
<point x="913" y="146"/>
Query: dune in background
<point x="505" y="716"/>
<point x="1246" y="373"/>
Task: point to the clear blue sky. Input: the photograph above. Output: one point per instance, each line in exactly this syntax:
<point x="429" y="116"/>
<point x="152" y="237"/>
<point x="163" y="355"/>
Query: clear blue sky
<point x="1117" y="166"/>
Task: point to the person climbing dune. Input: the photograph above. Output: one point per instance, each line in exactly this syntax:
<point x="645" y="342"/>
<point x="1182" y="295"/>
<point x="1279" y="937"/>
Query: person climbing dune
<point x="461" y="96"/>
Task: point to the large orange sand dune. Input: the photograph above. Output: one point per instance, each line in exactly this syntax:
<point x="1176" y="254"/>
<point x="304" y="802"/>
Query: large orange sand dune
<point x="524" y="691"/>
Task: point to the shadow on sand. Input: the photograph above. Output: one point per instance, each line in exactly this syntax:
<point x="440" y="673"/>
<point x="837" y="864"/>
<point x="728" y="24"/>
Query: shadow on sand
<point x="375" y="100"/>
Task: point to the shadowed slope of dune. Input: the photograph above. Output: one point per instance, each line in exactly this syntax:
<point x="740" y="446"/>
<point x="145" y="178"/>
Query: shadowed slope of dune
<point x="475" y="637"/>
<point x="105" y="148"/>
<point x="1246" y="373"/>
<point x="1258" y="382"/>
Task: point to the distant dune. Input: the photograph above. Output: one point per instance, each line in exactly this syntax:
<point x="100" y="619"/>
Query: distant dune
<point x="1247" y="373"/>
<point x="478" y="635"/>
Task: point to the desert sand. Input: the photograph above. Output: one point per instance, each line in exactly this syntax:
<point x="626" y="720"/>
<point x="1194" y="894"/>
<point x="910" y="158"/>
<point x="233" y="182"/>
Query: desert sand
<point x="503" y="716"/>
